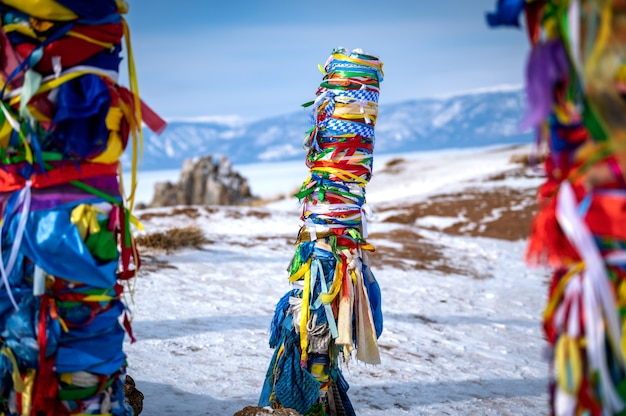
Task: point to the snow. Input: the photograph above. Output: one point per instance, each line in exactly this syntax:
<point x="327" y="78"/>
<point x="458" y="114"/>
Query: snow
<point x="448" y="114"/>
<point x="452" y="343"/>
<point x="437" y="222"/>
<point x="425" y="173"/>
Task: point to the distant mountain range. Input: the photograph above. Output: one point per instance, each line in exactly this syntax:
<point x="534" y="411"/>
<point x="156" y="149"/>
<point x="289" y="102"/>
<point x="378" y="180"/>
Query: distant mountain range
<point x="464" y="120"/>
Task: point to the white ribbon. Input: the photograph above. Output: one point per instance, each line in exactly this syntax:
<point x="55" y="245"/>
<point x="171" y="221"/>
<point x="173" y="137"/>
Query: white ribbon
<point x="56" y="66"/>
<point x="598" y="299"/>
<point x="295" y="307"/>
<point x="24" y="198"/>
<point x="366" y="214"/>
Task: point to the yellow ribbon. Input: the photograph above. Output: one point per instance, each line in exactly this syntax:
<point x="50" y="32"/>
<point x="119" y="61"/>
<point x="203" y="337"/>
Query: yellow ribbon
<point x="555" y="299"/>
<point x="137" y="133"/>
<point x="343" y="175"/>
<point x="569" y="364"/>
<point x="21" y="29"/>
<point x="305" y="268"/>
<point x="18" y="384"/>
<point x="27" y="395"/>
<point x="98" y="298"/>
<point x="43" y="9"/>
<point x="602" y="39"/>
<point x="334" y="289"/>
<point x="5" y="134"/>
<point x="85" y="218"/>
<point x="106" y="45"/>
<point x="114" y="147"/>
<point x="305" y="313"/>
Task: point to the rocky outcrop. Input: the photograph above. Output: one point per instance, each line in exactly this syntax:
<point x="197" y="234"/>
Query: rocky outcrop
<point x="203" y="182"/>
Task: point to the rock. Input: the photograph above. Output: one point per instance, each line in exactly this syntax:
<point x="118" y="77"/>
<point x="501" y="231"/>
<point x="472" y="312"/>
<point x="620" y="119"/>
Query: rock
<point x="133" y="396"/>
<point x="204" y="182"/>
<point x="262" y="411"/>
<point x="165" y="195"/>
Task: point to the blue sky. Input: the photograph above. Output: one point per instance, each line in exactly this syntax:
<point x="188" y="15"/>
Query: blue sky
<point x="259" y="59"/>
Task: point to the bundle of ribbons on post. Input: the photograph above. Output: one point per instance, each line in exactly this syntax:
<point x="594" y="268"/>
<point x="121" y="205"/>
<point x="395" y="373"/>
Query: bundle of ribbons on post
<point x="334" y="307"/>
<point x="67" y="248"/>
<point x="576" y="91"/>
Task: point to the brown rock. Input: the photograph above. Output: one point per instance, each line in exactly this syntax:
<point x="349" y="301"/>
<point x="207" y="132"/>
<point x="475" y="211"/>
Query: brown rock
<point x="204" y="182"/>
<point x="133" y="396"/>
<point x="262" y="411"/>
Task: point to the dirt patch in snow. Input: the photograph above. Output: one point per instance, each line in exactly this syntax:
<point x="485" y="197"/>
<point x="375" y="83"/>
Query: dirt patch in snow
<point x="501" y="212"/>
<point x="412" y="252"/>
<point x="497" y="212"/>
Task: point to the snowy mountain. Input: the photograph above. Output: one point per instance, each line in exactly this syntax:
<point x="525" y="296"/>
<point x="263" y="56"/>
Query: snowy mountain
<point x="465" y="120"/>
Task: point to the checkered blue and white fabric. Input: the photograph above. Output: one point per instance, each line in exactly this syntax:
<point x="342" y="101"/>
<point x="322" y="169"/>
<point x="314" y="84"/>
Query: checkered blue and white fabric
<point x="365" y="95"/>
<point x="347" y="127"/>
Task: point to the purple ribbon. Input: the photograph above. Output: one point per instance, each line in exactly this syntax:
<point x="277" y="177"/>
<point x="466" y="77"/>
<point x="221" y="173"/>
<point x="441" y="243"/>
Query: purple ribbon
<point x="547" y="65"/>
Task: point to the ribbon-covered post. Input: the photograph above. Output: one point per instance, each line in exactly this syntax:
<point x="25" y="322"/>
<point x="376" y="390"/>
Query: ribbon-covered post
<point x="64" y="124"/>
<point x="576" y="90"/>
<point x="334" y="309"/>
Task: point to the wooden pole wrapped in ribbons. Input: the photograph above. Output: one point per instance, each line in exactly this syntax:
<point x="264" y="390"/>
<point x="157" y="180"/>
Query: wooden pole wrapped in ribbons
<point x="576" y="88"/>
<point x="66" y="245"/>
<point x="335" y="305"/>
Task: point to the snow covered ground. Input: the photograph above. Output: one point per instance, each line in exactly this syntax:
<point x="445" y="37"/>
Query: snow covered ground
<point x="462" y="319"/>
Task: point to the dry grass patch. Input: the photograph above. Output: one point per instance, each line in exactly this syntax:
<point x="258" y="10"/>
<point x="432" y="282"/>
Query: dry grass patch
<point x="173" y="239"/>
<point x="393" y="165"/>
<point x="528" y="159"/>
